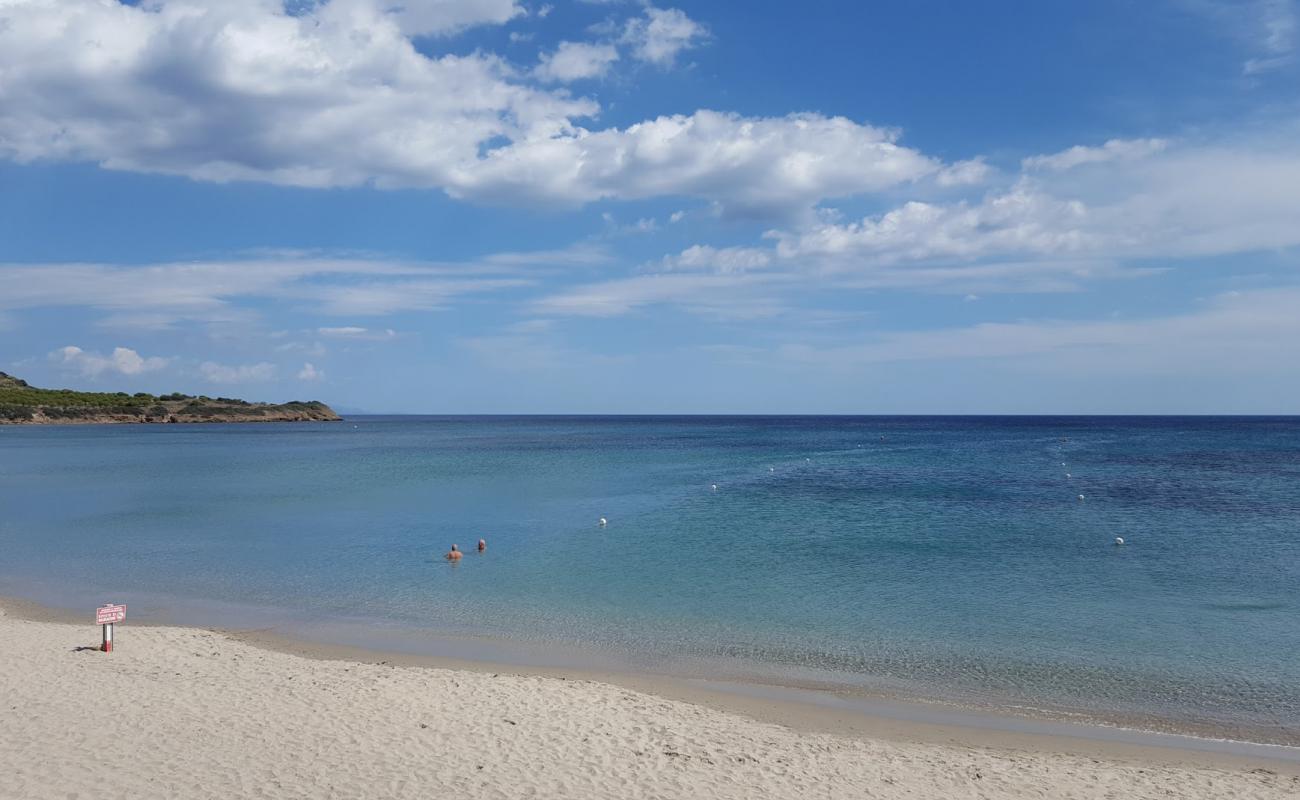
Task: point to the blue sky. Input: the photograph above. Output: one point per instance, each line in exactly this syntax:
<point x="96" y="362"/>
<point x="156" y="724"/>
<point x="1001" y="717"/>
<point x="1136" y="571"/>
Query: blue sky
<point x="491" y="206"/>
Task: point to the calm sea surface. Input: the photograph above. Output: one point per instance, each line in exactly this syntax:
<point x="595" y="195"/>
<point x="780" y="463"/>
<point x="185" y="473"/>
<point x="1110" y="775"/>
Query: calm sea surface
<point x="946" y="558"/>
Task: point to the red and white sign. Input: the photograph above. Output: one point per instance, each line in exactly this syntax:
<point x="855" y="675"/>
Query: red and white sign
<point x="107" y="615"/>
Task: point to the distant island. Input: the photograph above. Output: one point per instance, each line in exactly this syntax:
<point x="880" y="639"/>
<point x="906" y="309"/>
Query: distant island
<point x="21" y="404"/>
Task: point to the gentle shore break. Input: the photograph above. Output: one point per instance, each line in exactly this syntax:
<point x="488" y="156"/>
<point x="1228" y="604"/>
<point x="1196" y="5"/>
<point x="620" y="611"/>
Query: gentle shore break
<point x="182" y="712"/>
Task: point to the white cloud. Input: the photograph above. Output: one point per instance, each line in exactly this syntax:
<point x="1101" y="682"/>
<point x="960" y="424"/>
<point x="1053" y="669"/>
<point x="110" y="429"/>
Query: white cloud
<point x="1015" y="223"/>
<point x="123" y="361"/>
<point x="761" y="166"/>
<point x="734" y="297"/>
<point x="310" y="373"/>
<point x="1113" y="150"/>
<point x="356" y="332"/>
<point x="240" y="90"/>
<point x="427" y="17"/>
<point x="338" y="95"/>
<point x="159" y="295"/>
<point x="964" y="173"/>
<point x="346" y="331"/>
<point x="660" y="34"/>
<point x="573" y="61"/>
<point x="1170" y="203"/>
<point x="642" y="225"/>
<point x="240" y="373"/>
<point x="1051" y="230"/>
<point x="391" y="297"/>
<point x="721" y="260"/>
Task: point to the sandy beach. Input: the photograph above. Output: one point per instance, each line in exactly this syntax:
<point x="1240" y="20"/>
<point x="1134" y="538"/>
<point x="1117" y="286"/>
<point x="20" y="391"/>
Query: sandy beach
<point x="183" y="712"/>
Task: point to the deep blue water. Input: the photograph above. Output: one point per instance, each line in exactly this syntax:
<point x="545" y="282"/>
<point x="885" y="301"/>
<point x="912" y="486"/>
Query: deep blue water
<point x="944" y="557"/>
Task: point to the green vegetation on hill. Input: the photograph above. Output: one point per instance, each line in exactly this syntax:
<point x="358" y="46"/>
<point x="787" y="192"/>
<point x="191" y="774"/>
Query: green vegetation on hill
<point x="20" y="402"/>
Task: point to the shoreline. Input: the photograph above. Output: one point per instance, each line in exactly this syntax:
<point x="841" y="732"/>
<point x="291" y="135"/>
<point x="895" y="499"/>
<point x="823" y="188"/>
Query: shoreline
<point x="801" y="709"/>
<point x="368" y="639"/>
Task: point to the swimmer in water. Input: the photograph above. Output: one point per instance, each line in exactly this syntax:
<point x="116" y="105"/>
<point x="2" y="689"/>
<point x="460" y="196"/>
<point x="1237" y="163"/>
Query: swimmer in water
<point x="454" y="554"/>
<point x="482" y="545"/>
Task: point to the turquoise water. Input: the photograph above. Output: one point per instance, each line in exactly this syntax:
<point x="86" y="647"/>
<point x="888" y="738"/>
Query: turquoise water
<point x="936" y="557"/>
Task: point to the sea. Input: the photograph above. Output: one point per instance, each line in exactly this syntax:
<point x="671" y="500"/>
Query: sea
<point x="958" y="560"/>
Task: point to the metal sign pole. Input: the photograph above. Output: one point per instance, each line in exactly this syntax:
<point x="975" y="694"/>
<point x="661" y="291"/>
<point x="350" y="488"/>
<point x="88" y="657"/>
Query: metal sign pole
<point x="105" y="616"/>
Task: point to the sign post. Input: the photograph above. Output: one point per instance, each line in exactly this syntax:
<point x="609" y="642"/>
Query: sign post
<point x="106" y="615"/>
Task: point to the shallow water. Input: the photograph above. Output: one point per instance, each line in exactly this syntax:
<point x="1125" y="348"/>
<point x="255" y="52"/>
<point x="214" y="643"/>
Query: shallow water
<point x="939" y="557"/>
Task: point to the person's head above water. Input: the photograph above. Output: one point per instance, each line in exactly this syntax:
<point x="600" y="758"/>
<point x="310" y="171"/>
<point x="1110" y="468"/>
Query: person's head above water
<point x="482" y="544"/>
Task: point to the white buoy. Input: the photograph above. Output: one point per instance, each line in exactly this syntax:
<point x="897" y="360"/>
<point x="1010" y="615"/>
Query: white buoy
<point x="1119" y="540"/>
<point x="771" y="469"/>
<point x="1068" y="475"/>
<point x="602" y="522"/>
<point x="1080" y="498"/>
<point x="1063" y="463"/>
<point x="715" y="487"/>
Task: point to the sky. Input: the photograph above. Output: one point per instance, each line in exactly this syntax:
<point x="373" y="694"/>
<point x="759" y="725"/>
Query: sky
<point x="508" y="206"/>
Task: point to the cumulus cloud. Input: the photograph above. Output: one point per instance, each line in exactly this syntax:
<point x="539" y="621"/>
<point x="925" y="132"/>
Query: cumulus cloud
<point x="722" y="260"/>
<point x="1015" y="223"/>
<point x="338" y="95"/>
<point x="428" y="17"/>
<point x="1202" y="200"/>
<point x="574" y="61"/>
<point x="239" y="373"/>
<point x="660" y="34"/>
<point x="123" y="361"/>
<point x="1052" y="229"/>
<point x="241" y="90"/>
<point x="964" y="173"/>
<point x="762" y="166"/>
<point x="310" y="373"/>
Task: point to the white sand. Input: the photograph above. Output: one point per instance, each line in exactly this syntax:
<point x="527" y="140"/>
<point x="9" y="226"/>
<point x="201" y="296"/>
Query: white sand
<point x="182" y="713"/>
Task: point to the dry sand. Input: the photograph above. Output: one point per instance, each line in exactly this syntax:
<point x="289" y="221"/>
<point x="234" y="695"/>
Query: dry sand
<point x="183" y="712"/>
